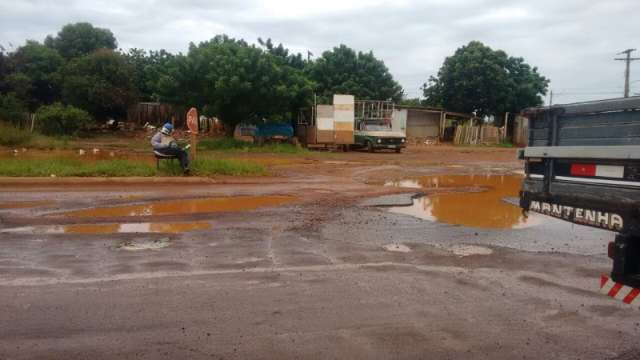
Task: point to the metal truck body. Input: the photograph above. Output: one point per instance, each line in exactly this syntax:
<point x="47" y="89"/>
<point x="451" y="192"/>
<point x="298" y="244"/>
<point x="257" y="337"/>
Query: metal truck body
<point x="583" y="166"/>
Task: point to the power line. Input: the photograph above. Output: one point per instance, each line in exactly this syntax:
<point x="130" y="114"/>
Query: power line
<point x="628" y="59"/>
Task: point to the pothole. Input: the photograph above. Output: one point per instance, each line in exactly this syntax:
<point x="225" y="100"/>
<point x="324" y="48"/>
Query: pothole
<point x="469" y="200"/>
<point x="468" y="250"/>
<point x="397" y="248"/>
<point x="185" y="206"/>
<point x="137" y="245"/>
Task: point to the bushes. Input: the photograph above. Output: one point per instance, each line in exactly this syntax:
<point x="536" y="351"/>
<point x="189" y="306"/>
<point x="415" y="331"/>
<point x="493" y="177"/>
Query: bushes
<point x="12" y="136"/>
<point x="12" y="109"/>
<point x="58" y="119"/>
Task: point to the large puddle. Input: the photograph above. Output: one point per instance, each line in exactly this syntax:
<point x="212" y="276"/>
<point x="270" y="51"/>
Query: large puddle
<point x="470" y="200"/>
<point x="186" y="206"/>
<point x="167" y="228"/>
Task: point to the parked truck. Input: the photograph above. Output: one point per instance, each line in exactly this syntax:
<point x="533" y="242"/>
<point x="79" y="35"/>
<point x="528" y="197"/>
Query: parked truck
<point x="374" y="127"/>
<point x="583" y="165"/>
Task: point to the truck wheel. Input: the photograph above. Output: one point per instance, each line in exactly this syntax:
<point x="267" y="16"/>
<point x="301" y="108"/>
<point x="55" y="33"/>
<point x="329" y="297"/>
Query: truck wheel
<point x="398" y="150"/>
<point x="370" y="147"/>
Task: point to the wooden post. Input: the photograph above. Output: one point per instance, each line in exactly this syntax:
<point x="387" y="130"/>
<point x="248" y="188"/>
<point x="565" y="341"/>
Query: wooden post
<point x="192" y="124"/>
<point x="506" y="126"/>
<point x="194" y="143"/>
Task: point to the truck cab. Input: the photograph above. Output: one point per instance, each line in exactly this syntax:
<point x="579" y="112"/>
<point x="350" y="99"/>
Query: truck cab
<point x="582" y="165"/>
<point x="375" y="136"/>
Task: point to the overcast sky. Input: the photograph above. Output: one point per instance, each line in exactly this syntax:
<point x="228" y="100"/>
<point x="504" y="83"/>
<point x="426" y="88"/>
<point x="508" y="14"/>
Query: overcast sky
<point x="572" y="42"/>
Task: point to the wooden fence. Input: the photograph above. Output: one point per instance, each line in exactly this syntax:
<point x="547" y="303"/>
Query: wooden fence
<point x="476" y="135"/>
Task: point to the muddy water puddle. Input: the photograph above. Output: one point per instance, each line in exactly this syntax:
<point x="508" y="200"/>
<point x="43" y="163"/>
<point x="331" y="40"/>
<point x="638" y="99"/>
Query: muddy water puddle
<point x="469" y="200"/>
<point x="167" y="228"/>
<point x="185" y="206"/>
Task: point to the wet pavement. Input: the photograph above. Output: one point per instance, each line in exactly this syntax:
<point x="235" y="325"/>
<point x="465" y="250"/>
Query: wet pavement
<point x="137" y="228"/>
<point x="325" y="268"/>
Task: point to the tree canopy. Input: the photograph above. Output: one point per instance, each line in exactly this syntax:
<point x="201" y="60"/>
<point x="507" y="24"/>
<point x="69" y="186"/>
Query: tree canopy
<point x="35" y="74"/>
<point x="236" y="82"/>
<point x="343" y="71"/>
<point x="148" y="67"/>
<point x="81" y="38"/>
<point x="478" y="79"/>
<point x="100" y="83"/>
<point x="228" y="78"/>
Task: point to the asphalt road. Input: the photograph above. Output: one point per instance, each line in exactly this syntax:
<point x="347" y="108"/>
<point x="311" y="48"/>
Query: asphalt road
<point x="323" y="277"/>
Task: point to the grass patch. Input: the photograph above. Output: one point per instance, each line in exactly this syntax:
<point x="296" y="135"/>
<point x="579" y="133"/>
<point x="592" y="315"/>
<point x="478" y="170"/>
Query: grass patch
<point x="11" y="136"/>
<point x="204" y="166"/>
<point x="63" y="167"/>
<point x="233" y="145"/>
<point x="72" y="167"/>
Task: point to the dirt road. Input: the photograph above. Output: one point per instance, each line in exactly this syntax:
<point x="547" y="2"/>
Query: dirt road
<point x="320" y="261"/>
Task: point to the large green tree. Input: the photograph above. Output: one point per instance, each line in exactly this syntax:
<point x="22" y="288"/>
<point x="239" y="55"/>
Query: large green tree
<point x="35" y="74"/>
<point x="236" y="82"/>
<point x="343" y="71"/>
<point x="80" y="39"/>
<point x="100" y="83"/>
<point x="478" y="79"/>
<point x="148" y="67"/>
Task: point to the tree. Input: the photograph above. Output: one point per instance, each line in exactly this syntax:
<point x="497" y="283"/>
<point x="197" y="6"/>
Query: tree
<point x="80" y="39"/>
<point x="100" y="83"/>
<point x="35" y="74"/>
<point x="235" y="82"/>
<point x="148" y="68"/>
<point x="343" y="71"/>
<point x="5" y="70"/>
<point x="411" y="102"/>
<point x="478" y="79"/>
<point x="293" y="60"/>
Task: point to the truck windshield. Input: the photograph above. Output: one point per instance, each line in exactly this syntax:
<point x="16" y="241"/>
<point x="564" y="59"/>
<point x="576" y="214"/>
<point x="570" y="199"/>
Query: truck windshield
<point x="371" y="127"/>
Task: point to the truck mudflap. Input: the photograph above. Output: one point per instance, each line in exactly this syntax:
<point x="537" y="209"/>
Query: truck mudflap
<point x="620" y="217"/>
<point x="619" y="291"/>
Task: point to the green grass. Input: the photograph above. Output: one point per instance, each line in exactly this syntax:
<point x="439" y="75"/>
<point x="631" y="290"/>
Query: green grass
<point x="204" y="166"/>
<point x="62" y="167"/>
<point x="233" y="145"/>
<point x="11" y="136"/>
<point x="72" y="167"/>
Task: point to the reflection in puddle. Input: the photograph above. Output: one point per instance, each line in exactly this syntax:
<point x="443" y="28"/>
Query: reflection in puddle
<point x="187" y="206"/>
<point x="169" y="228"/>
<point x="478" y="201"/>
<point x="24" y="204"/>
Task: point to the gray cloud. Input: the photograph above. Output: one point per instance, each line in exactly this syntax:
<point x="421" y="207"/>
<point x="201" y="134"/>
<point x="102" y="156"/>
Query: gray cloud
<point x="572" y="42"/>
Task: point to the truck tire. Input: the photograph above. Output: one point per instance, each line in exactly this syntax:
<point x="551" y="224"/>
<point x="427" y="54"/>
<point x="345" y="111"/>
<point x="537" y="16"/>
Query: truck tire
<point x="398" y="150"/>
<point x="370" y="147"/>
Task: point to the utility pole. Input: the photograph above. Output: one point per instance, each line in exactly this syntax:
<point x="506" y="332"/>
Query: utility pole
<point x="550" y="97"/>
<point x="628" y="60"/>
